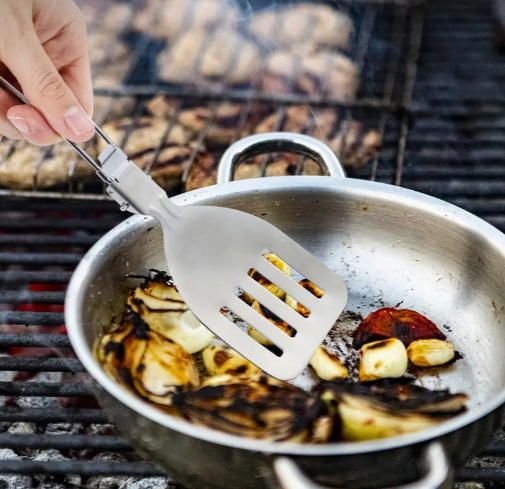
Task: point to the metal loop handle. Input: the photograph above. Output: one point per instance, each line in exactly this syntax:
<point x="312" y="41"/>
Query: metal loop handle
<point x="434" y="465"/>
<point x="278" y="142"/>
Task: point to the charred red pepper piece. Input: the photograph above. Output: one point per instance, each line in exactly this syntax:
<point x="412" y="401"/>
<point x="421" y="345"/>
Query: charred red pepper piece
<point x="403" y="324"/>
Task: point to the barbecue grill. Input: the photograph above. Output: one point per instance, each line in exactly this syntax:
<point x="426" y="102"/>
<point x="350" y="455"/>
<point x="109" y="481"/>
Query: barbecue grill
<point x="442" y="123"/>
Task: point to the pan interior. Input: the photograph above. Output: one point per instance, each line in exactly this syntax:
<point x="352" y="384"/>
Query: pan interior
<point x="389" y="249"/>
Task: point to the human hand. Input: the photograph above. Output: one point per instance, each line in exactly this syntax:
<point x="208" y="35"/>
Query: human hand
<point x="43" y="48"/>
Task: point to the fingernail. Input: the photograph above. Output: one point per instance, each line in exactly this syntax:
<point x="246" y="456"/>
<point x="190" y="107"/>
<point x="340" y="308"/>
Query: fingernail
<point x="77" y="121"/>
<point x="20" y="124"/>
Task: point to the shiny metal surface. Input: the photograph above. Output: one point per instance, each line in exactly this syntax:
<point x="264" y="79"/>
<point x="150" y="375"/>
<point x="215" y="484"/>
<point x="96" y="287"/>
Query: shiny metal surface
<point x="390" y="245"/>
<point x="287" y="142"/>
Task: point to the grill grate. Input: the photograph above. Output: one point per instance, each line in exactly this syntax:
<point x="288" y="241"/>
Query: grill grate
<point x="455" y="151"/>
<point x="385" y="51"/>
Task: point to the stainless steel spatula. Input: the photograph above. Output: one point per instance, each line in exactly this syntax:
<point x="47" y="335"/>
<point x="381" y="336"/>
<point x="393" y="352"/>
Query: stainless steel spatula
<point x="210" y="251"/>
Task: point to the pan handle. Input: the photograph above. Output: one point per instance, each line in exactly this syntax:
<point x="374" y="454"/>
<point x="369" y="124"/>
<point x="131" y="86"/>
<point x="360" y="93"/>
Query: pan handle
<point x="278" y="142"/>
<point x="437" y="472"/>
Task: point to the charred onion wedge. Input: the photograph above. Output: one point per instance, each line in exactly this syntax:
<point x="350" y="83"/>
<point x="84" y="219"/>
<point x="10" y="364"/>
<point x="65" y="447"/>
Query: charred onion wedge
<point x="402" y="324"/>
<point x="273" y="319"/>
<point x="400" y="394"/>
<point x="153" y="365"/>
<point x="222" y="360"/>
<point x="430" y="353"/>
<point x="282" y="266"/>
<point x="383" y="359"/>
<point x="161" y="307"/>
<point x="299" y="308"/>
<point x="260" y="408"/>
<point x="328" y="365"/>
<point x="365" y="419"/>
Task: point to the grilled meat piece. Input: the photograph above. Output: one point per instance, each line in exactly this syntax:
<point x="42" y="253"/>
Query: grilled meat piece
<point x="400" y="394"/>
<point x="323" y="73"/>
<point x="349" y="139"/>
<point x="290" y="27"/>
<point x="169" y="19"/>
<point x="261" y="408"/>
<point x="27" y="168"/>
<point x="223" y="56"/>
<point x="403" y="324"/>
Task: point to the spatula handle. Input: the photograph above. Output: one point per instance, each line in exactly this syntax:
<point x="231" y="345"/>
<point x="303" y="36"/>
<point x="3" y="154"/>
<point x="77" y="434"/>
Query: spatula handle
<point x="278" y="142"/>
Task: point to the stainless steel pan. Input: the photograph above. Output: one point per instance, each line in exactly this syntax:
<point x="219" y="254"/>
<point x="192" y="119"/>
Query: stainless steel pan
<point x="390" y="245"/>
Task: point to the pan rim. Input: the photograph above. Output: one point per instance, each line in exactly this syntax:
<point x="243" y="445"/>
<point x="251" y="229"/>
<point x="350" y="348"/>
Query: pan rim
<point x="358" y="188"/>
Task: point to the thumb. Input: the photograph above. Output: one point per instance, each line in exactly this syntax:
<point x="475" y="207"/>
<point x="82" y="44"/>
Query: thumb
<point x="45" y="89"/>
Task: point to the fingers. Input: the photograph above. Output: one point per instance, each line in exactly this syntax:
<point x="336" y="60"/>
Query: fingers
<point x="44" y="87"/>
<point x="31" y="125"/>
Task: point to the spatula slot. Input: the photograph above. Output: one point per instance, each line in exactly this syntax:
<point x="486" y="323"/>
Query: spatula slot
<point x="253" y="333"/>
<point x="306" y="283"/>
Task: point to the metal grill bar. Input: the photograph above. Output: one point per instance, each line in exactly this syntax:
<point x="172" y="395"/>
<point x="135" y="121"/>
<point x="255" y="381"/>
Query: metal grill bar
<point x="22" y="276"/>
<point x="487" y="475"/>
<point x="46" y="240"/>
<point x="26" y="297"/>
<point x="35" y="340"/>
<point x="45" y="389"/>
<point x="80" y="468"/>
<point x="32" y="318"/>
<point x="40" y="258"/>
<point x="36" y="364"/>
<point x="94" y="225"/>
<point x="54" y="415"/>
<point x="63" y="442"/>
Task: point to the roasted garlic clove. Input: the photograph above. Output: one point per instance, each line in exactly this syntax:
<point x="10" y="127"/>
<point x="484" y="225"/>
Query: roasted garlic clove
<point x="364" y="419"/>
<point x="261" y="408"/>
<point x="299" y="308"/>
<point x="327" y="365"/>
<point x="404" y="324"/>
<point x="166" y="314"/>
<point x="273" y="319"/>
<point x="274" y="260"/>
<point x="222" y="360"/>
<point x="430" y="353"/>
<point x="383" y="359"/>
<point x="161" y="369"/>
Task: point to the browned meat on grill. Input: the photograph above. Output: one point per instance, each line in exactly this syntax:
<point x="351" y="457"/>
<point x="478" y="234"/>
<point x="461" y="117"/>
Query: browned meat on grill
<point x="203" y="58"/>
<point x="353" y="144"/>
<point x="26" y="168"/>
<point x="319" y="25"/>
<point x="143" y="143"/>
<point x="320" y="73"/>
<point x="169" y="19"/>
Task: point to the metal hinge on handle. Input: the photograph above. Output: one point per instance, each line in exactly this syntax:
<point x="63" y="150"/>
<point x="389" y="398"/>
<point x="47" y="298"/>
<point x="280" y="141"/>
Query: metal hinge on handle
<point x="114" y="168"/>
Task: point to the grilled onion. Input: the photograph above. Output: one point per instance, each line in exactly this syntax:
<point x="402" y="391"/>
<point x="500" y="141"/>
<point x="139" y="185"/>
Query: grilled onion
<point x="365" y="419"/>
<point x="299" y="308"/>
<point x="162" y="308"/>
<point x="155" y="366"/>
<point x="274" y="260"/>
<point x="383" y="359"/>
<point x="222" y="360"/>
<point x="327" y="365"/>
<point x="430" y="353"/>
<point x="273" y="319"/>
<point x="261" y="408"/>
